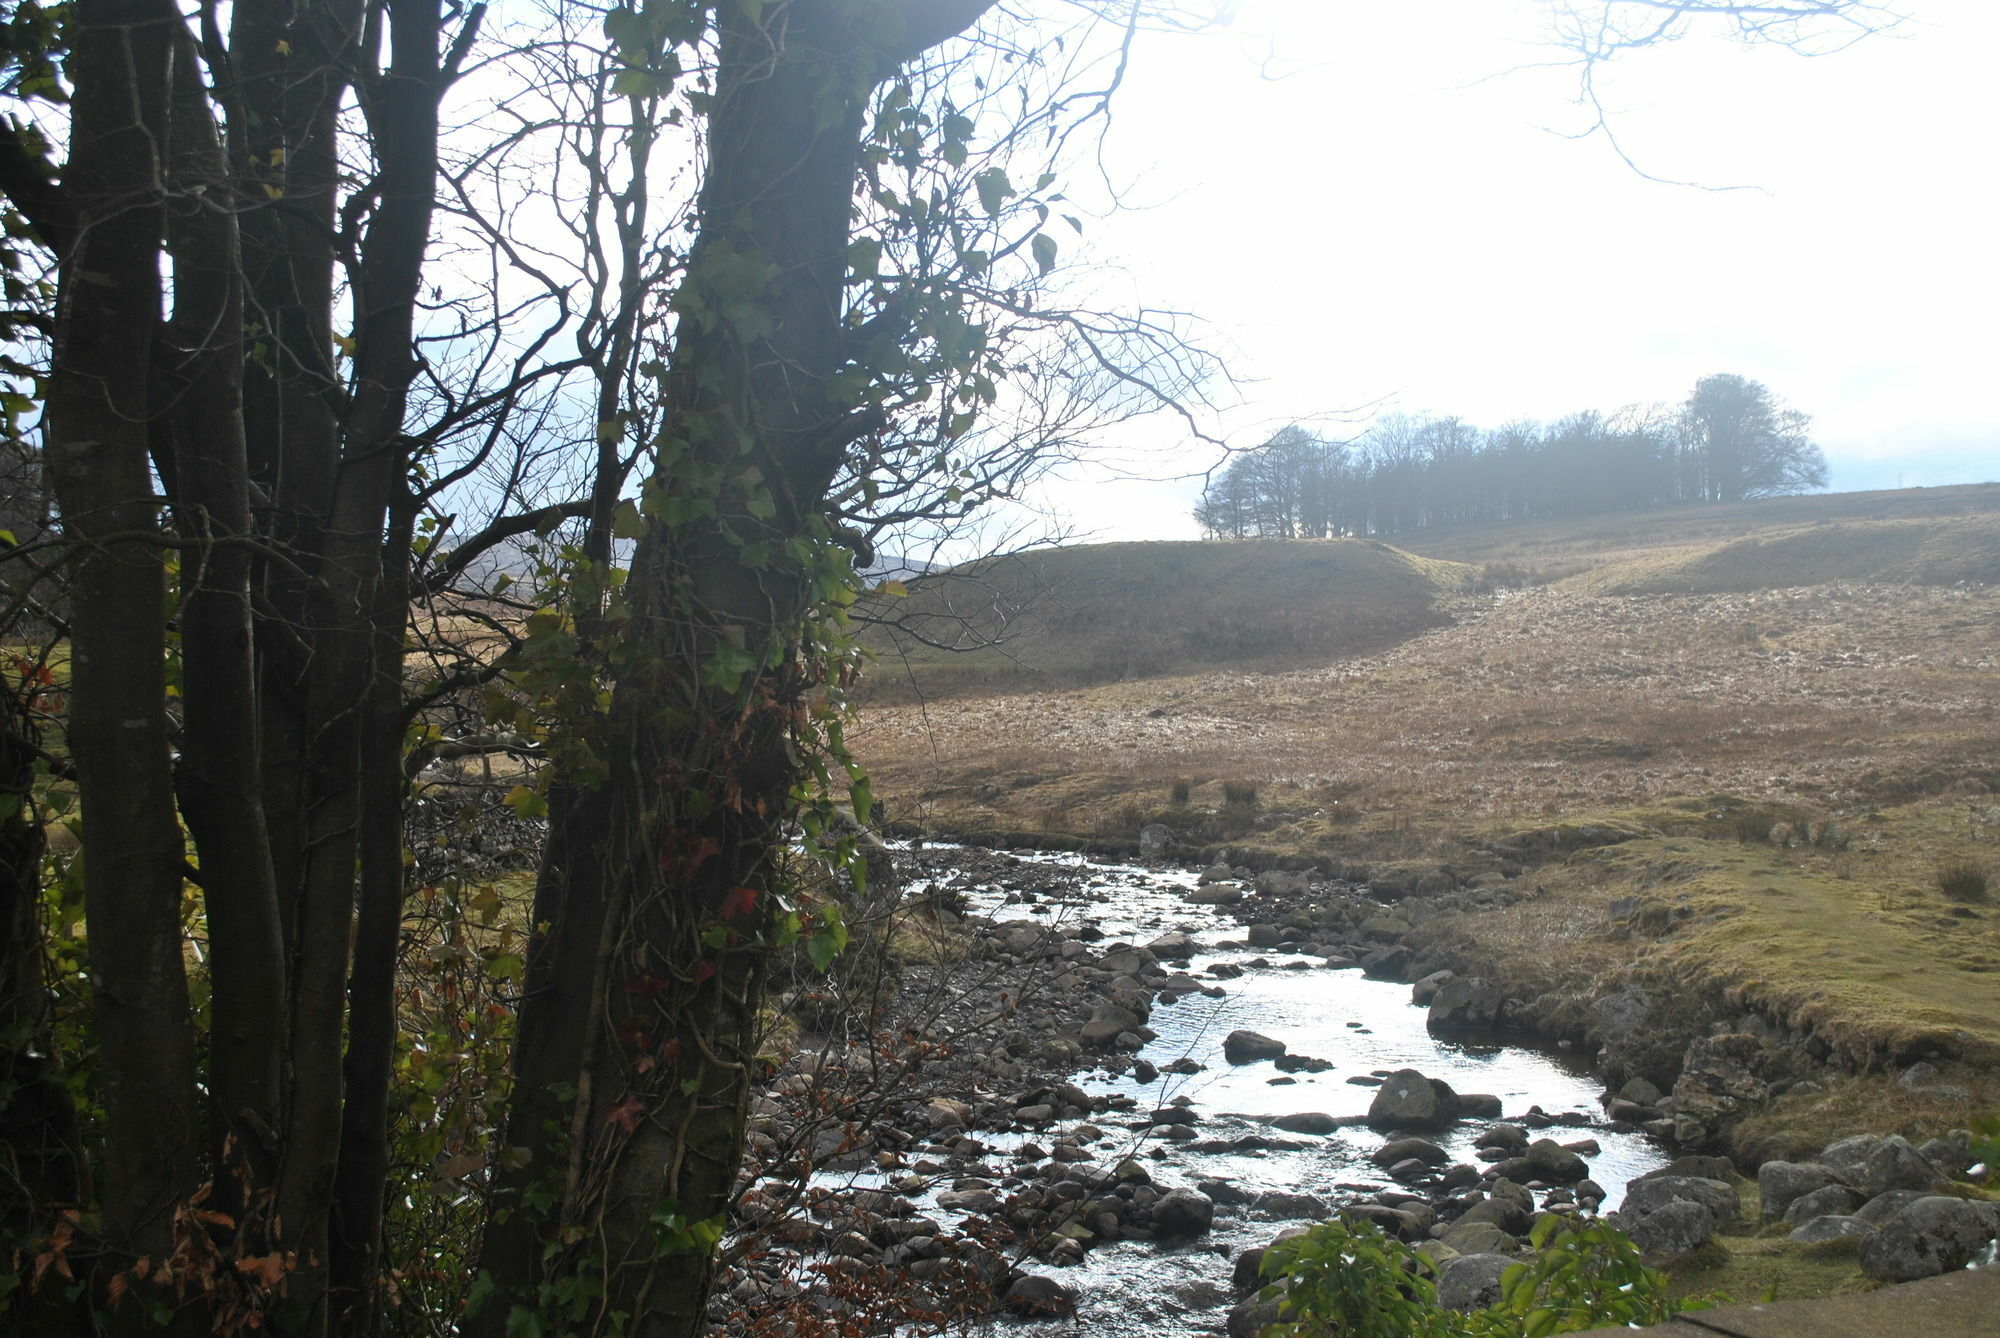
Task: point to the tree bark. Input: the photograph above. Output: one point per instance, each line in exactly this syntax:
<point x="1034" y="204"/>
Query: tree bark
<point x="108" y="310"/>
<point x="634" y="1062"/>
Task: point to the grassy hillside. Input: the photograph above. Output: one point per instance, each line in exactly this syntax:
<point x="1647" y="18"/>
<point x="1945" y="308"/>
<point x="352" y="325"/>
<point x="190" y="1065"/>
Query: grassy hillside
<point x="1109" y="612"/>
<point x="1917" y="552"/>
<point x="1568" y="545"/>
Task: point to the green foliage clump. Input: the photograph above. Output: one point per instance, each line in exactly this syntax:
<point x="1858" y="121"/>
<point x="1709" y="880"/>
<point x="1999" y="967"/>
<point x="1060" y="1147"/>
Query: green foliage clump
<point x="1964" y="880"/>
<point x="1349" y="1278"/>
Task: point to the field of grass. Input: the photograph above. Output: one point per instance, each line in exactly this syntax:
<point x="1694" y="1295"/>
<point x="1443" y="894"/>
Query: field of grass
<point x="1717" y="692"/>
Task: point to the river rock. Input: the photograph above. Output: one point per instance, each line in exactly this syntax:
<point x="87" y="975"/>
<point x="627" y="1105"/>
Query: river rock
<point x="1478" y="1105"/>
<point x="1156" y="842"/>
<point x="1174" y="946"/>
<point x="945" y="1113"/>
<point x="1471" y="1281"/>
<point x="1671" y="1230"/>
<point x="1215" y="894"/>
<point x="1894" y="1164"/>
<point x="1307" y="1122"/>
<point x="1386" y="962"/>
<point x="1409" y="1100"/>
<point x="1426" y="989"/>
<point x="1511" y="1137"/>
<point x="1480" y="1238"/>
<point x="1398" y="1149"/>
<point x="1550" y="1160"/>
<point x="1250" y="1318"/>
<point x="1281" y="1204"/>
<point x="1643" y="1197"/>
<point x="1466" y="1003"/>
<point x="1931" y="1236"/>
<point x="1036" y="1296"/>
<point x="1263" y="936"/>
<point x="1224" y="1193"/>
<point x="1885" y="1206"/>
<point x="1183" y="1212"/>
<point x="1779" y="1183"/>
<point x="1510" y="1216"/>
<point x="1393" y="1221"/>
<point x="1247" y="1047"/>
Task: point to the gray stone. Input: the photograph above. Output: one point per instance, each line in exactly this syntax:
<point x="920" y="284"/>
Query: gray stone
<point x="1394" y="1221"/>
<point x="1479" y="1105"/>
<point x="1550" y="1160"/>
<point x="1644" y="1197"/>
<point x="1931" y="1236"/>
<point x="1263" y="936"/>
<point x="1307" y="1122"/>
<point x="1035" y="1296"/>
<point x="1278" y="1203"/>
<point x="1885" y="1206"/>
<point x="1509" y="1136"/>
<point x="1826" y="1201"/>
<point x="1156" y="841"/>
<point x="1833" y="1226"/>
<point x="1641" y="1093"/>
<point x="1409" y="1100"/>
<point x="1426" y="989"/>
<point x="1183" y="1212"/>
<point x="1247" y="1047"/>
<point x="1781" y="1182"/>
<point x="1471" y="1281"/>
<point x="1397" y="1149"/>
<point x="1510" y="1216"/>
<point x="1671" y="1230"/>
<point x="1217" y="894"/>
<point x="1175" y="946"/>
<point x="1850" y="1151"/>
<point x="1480" y="1238"/>
<point x="1466" y="1002"/>
<point x="1250" y="1318"/>
<point x="1894" y="1164"/>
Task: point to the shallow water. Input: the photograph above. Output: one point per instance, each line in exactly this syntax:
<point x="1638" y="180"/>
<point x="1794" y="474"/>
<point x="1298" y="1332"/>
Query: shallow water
<point x="1360" y="1025"/>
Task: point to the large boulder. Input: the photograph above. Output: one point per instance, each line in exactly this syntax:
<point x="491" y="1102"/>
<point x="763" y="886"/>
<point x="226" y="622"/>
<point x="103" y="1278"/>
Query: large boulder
<point x="1466" y="1003"/>
<point x="1671" y="1230"/>
<point x="1643" y="1197"/>
<point x="1779" y="1183"/>
<point x="1826" y="1201"/>
<point x="1893" y="1164"/>
<point x="1722" y="1080"/>
<point x="1400" y="1149"/>
<point x="1247" y="1047"/>
<point x="1156" y="842"/>
<point x="1183" y="1212"/>
<point x="1408" y="1100"/>
<point x="1426" y="989"/>
<point x="1931" y="1236"/>
<point x="1036" y="1296"/>
<point x="1471" y="1281"/>
<point x="1550" y="1160"/>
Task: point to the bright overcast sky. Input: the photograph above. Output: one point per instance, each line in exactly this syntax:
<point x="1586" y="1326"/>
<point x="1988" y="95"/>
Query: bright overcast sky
<point x="1362" y="214"/>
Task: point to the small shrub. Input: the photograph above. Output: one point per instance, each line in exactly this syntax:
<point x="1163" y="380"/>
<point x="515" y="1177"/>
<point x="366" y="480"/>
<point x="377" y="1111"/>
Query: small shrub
<point x="1963" y="880"/>
<point x="1349" y="1278"/>
<point x="1124" y="820"/>
<point x="1239" y="793"/>
<point x="1179" y="792"/>
<point x="1753" y="826"/>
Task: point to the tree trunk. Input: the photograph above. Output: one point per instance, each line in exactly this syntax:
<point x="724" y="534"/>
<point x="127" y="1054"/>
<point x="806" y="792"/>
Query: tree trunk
<point x="97" y="428"/>
<point x="634" y="1063"/>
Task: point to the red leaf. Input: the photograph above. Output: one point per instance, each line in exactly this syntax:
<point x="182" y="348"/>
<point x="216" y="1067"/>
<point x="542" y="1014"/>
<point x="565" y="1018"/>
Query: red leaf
<point x="738" y="901"/>
<point x="671" y="1050"/>
<point x="703" y="970"/>
<point x="645" y="986"/>
<point x="625" y="1113"/>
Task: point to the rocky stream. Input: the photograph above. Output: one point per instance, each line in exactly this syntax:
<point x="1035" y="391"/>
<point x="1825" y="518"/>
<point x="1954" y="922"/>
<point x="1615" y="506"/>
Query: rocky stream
<point x="1158" y="1090"/>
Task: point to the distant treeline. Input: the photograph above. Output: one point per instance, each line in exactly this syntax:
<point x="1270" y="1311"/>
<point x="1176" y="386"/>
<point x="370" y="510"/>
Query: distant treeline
<point x="1731" y="440"/>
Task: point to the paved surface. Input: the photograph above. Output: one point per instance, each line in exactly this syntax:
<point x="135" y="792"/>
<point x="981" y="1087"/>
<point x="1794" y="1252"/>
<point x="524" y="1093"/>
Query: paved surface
<point x="1965" y="1304"/>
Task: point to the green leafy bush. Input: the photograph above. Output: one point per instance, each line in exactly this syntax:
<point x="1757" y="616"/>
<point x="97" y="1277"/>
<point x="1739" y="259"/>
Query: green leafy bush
<point x="1347" y="1277"/>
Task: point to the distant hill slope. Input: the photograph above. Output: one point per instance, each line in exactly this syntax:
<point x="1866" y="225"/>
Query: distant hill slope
<point x="1918" y="552"/>
<point x="1566" y="545"/>
<point x="1098" y="613"/>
